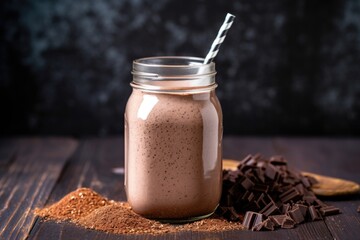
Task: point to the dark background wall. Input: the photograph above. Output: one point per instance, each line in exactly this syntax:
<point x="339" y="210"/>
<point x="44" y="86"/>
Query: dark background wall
<point x="287" y="67"/>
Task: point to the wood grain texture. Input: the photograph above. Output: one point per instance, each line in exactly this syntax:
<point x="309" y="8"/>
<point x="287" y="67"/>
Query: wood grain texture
<point x="93" y="163"/>
<point x="91" y="166"/>
<point x="347" y="224"/>
<point x="7" y="152"/>
<point x="28" y="181"/>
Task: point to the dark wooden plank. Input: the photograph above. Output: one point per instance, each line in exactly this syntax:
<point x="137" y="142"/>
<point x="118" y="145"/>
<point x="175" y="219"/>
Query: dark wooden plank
<point x="7" y="152"/>
<point x="347" y="224"/>
<point x="92" y="167"/>
<point x="28" y="182"/>
<point x="68" y="231"/>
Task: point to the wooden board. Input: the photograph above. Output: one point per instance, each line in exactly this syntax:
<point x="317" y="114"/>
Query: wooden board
<point x="43" y="171"/>
<point x="28" y="181"/>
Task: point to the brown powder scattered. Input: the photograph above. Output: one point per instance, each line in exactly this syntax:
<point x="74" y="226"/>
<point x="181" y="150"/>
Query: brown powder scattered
<point x="90" y="210"/>
<point x="74" y="205"/>
<point x="119" y="218"/>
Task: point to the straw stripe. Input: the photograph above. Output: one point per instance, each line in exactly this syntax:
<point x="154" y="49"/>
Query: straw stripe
<point x="229" y="19"/>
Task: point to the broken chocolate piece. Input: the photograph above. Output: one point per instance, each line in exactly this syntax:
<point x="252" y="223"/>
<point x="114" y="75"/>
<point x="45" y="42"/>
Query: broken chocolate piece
<point x="277" y="219"/>
<point x="302" y="208"/>
<point x="271" y="172"/>
<point x="278" y="160"/>
<point x="269" y="209"/>
<point x="265" y="225"/>
<point x="288" y="222"/>
<point x="296" y="215"/>
<point x="314" y="213"/>
<point x="291" y="194"/>
<point x="233" y="214"/>
<point x="285" y="208"/>
<point x="329" y="210"/>
<point x="268" y="225"/>
<point x="306" y="182"/>
<point x="252" y="219"/>
<point x="263" y="188"/>
<point x="248" y="196"/>
<point x="246" y="183"/>
<point x="309" y="199"/>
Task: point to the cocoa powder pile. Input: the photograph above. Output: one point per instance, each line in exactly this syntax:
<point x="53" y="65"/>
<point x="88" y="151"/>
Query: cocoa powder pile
<point x="89" y="209"/>
<point x="74" y="205"/>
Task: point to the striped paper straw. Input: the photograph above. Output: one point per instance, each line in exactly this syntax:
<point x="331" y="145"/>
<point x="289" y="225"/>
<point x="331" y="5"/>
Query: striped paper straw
<point x="229" y="19"/>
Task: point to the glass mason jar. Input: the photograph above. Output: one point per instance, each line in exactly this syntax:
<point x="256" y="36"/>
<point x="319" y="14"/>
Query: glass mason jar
<point x="173" y="139"/>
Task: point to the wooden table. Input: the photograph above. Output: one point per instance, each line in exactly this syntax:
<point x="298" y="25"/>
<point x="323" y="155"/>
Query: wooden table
<point x="39" y="171"/>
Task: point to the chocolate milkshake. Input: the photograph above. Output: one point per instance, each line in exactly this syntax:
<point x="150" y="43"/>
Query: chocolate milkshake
<point x="173" y="151"/>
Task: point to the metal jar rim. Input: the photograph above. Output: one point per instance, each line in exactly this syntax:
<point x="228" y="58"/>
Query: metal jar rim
<point x="172" y="73"/>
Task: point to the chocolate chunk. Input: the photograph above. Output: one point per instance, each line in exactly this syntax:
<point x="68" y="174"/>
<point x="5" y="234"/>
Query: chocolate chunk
<point x="268" y="224"/>
<point x="259" y="175"/>
<point x="306" y="182"/>
<point x="278" y="160"/>
<point x="309" y="199"/>
<point x="269" y="209"/>
<point x="271" y="172"/>
<point x="233" y="214"/>
<point x="296" y="215"/>
<point x="302" y="208"/>
<point x="262" y="200"/>
<point x="248" y="163"/>
<point x="258" y="227"/>
<point x="277" y="219"/>
<point x="246" y="183"/>
<point x="314" y="214"/>
<point x="252" y="219"/>
<point x="301" y="189"/>
<point x="248" y="196"/>
<point x="285" y="208"/>
<point x="291" y="194"/>
<point x="262" y="165"/>
<point x="358" y="209"/>
<point x="329" y="210"/>
<point x="263" y="189"/>
<point x="265" y="225"/>
<point x="288" y="222"/>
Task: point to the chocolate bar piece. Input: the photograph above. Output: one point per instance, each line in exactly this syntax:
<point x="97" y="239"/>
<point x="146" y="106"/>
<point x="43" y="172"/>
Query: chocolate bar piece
<point x="277" y="219"/>
<point x="314" y="213"/>
<point x="288" y="222"/>
<point x="285" y="208"/>
<point x="262" y="189"/>
<point x="290" y="194"/>
<point x="302" y="208"/>
<point x="296" y="215"/>
<point x="265" y="225"/>
<point x="269" y="209"/>
<point x="252" y="219"/>
<point x="329" y="210"/>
